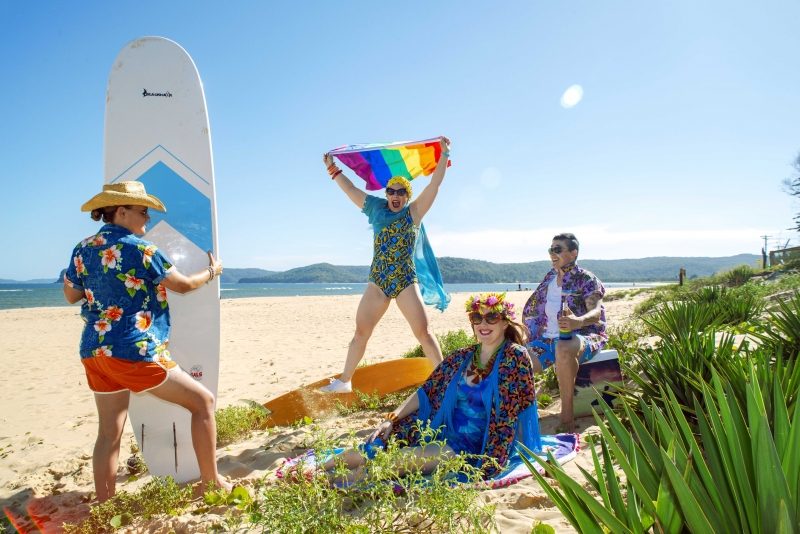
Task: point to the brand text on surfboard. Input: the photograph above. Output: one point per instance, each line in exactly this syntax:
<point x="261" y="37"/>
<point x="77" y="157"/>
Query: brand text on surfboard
<point x="167" y="94"/>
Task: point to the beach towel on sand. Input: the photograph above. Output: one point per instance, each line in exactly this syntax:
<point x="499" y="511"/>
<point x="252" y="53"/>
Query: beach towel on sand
<point x="563" y="447"/>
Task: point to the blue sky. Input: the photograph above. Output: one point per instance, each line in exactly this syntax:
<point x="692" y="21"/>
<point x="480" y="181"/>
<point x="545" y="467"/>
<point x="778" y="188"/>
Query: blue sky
<point x="688" y="124"/>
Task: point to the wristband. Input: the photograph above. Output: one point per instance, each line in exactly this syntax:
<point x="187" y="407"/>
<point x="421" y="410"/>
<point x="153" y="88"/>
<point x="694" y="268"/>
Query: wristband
<point x="391" y="417"/>
<point x="337" y="173"/>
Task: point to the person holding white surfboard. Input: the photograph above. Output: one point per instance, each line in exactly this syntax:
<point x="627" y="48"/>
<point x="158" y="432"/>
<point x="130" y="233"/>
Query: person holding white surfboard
<point x="122" y="281"/>
<point x="396" y="223"/>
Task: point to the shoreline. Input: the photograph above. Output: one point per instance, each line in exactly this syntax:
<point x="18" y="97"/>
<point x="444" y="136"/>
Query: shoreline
<point x="269" y="346"/>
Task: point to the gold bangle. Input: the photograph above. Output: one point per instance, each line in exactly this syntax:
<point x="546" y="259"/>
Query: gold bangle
<point x="391" y="417"/>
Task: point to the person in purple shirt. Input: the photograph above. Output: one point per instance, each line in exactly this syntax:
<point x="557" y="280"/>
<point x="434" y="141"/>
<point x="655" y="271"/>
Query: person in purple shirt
<point x="566" y="319"/>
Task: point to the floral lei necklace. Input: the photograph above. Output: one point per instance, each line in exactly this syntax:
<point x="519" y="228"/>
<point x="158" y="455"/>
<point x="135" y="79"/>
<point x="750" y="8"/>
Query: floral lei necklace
<point x="476" y="372"/>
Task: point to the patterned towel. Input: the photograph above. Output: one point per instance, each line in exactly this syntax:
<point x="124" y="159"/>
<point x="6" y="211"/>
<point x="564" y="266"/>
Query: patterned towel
<point x="564" y="448"/>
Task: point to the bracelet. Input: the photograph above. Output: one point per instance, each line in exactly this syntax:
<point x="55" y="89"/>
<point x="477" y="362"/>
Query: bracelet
<point x="446" y="154"/>
<point x="337" y="173"/>
<point x="391" y="417"/>
<point x="211" y="274"/>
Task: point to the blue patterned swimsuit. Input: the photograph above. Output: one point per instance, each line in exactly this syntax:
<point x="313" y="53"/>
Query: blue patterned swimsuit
<point x="393" y="258"/>
<point x="393" y="267"/>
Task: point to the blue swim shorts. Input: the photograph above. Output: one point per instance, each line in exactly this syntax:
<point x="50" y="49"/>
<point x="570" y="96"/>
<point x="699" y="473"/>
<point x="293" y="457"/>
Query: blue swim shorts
<point x="545" y="350"/>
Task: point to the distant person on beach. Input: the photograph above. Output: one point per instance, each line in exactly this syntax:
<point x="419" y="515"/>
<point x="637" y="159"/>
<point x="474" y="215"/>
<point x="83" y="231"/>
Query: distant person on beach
<point x="566" y="318"/>
<point x="403" y="265"/>
<point x="122" y="281"/>
<point x="481" y="397"/>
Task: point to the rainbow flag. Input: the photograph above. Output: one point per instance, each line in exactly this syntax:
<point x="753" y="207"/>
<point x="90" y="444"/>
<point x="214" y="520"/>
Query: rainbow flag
<point x="376" y="163"/>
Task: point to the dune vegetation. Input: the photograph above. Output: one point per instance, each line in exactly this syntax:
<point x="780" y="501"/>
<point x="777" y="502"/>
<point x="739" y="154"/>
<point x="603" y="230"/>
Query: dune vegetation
<point x="706" y="438"/>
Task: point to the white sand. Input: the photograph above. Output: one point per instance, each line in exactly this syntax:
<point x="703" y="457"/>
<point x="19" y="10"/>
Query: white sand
<point x="269" y="346"/>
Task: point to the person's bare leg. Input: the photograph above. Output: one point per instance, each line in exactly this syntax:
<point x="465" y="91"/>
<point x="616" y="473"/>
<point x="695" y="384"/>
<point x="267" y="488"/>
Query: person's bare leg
<point x="112" y="409"/>
<point x="183" y="390"/>
<point x="425" y="458"/>
<point x="413" y="309"/>
<point x="371" y="309"/>
<point x="567" y="353"/>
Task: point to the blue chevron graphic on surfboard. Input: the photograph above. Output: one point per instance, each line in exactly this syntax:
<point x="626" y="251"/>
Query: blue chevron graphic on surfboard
<point x="188" y="210"/>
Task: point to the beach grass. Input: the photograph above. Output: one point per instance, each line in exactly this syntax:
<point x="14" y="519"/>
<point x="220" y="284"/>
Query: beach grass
<point x="235" y="423"/>
<point x="449" y="342"/>
<point x="393" y="496"/>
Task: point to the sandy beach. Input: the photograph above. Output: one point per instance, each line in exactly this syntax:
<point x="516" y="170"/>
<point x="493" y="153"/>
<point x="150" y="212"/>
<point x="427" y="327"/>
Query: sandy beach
<point x="48" y="419"/>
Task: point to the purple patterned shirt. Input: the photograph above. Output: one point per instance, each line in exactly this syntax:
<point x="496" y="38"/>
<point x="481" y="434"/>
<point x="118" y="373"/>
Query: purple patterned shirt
<point x="577" y="286"/>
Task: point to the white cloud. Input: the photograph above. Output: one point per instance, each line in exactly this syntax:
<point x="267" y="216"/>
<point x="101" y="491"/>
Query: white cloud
<point x="572" y="96"/>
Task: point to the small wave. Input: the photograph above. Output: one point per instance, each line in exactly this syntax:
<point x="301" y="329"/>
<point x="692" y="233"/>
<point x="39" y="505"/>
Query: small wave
<point x="13" y="290"/>
<point x="336" y="288"/>
<point x="228" y="289"/>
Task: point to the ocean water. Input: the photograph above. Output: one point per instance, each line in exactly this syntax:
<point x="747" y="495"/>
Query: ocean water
<point x="46" y="295"/>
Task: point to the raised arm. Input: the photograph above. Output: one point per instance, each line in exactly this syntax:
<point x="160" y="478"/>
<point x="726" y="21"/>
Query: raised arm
<point x="424" y="201"/>
<point x="353" y="193"/>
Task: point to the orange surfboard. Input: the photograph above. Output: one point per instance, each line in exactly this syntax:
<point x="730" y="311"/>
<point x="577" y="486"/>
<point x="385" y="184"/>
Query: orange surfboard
<point x="377" y="379"/>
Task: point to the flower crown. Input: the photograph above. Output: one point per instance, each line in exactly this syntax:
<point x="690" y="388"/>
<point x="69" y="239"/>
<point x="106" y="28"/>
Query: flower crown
<point x="491" y="302"/>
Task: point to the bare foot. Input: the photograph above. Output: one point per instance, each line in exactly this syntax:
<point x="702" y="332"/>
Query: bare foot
<point x="223" y="484"/>
<point x="200" y="488"/>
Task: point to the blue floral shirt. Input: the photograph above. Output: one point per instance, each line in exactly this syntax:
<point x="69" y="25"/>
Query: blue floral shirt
<point x="125" y="308"/>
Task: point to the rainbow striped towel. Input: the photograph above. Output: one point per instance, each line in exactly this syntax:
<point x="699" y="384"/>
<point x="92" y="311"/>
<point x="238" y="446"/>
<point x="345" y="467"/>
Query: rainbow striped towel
<point x="376" y="163"/>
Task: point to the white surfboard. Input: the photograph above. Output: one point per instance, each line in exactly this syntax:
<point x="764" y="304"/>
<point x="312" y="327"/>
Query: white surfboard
<point x="157" y="132"/>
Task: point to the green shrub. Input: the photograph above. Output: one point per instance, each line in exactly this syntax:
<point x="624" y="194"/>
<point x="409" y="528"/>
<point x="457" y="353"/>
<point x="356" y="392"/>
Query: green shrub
<point x="159" y="496"/>
<point x="626" y="338"/>
<point x="738" y="473"/>
<point x="374" y="402"/>
<point x="737" y="276"/>
<point x="544" y="400"/>
<point x="449" y="342"/>
<point x="374" y="504"/>
<point x="236" y="422"/>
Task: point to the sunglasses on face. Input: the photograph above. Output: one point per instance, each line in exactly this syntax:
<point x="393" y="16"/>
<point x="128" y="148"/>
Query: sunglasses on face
<point x="477" y="318"/>
<point x="398" y="192"/>
<point x="556" y="249"/>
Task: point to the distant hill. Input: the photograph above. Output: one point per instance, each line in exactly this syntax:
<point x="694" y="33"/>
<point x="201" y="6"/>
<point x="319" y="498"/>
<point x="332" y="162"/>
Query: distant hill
<point x="231" y="275"/>
<point x="319" y="272"/>
<point x="33" y="281"/>
<point x="466" y="271"/>
<point x="461" y="270"/>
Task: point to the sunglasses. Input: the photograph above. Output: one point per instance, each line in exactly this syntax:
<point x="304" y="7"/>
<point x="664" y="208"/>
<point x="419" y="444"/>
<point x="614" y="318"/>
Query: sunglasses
<point x="557" y="249"/>
<point x="399" y="192"/>
<point x="477" y="318"/>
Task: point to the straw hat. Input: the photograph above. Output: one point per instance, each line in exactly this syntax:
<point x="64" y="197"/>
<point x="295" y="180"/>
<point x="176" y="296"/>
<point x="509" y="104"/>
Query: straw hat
<point x="123" y="194"/>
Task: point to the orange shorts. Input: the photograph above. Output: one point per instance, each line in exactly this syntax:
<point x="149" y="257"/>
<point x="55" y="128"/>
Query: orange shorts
<point x="111" y="375"/>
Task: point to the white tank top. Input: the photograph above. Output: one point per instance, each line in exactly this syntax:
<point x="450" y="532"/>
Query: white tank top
<point x="551" y="308"/>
